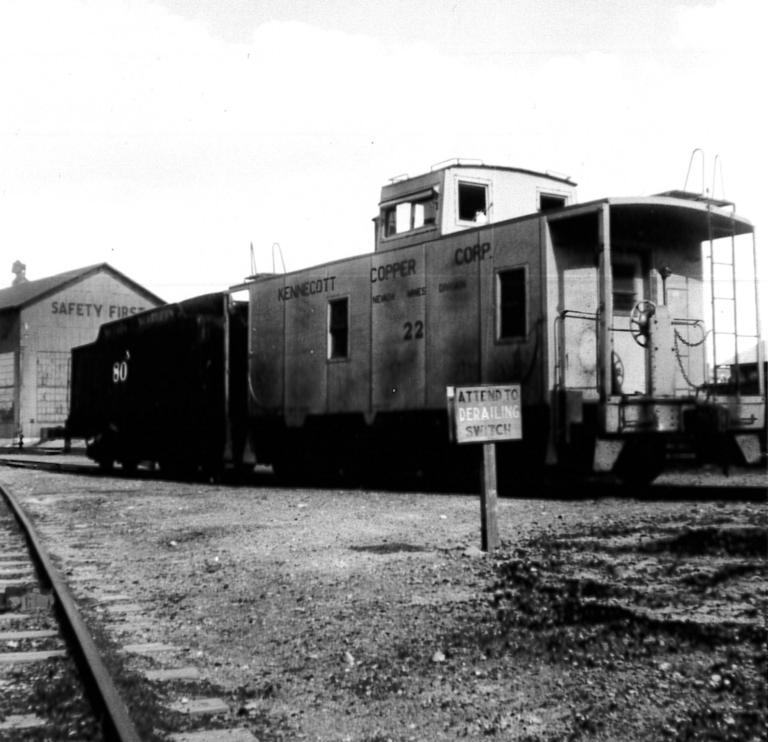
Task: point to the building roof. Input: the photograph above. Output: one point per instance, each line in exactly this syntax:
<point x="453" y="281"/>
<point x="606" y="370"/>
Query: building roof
<point x="30" y="292"/>
<point x="748" y="356"/>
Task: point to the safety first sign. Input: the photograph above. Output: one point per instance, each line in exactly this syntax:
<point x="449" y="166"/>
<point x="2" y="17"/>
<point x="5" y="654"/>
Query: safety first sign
<point x="485" y="414"/>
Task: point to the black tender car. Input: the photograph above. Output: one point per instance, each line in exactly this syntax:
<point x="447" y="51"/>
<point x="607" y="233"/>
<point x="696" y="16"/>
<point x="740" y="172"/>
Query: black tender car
<point x="166" y="386"/>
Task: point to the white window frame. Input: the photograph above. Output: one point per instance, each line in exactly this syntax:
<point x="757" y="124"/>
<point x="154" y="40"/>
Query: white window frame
<point x="485" y="183"/>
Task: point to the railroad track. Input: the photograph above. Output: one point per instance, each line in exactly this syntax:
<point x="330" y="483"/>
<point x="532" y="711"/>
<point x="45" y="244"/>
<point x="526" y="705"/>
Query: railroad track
<point x="266" y="596"/>
<point x="39" y="617"/>
<point x="552" y="486"/>
<point x="82" y="466"/>
<point x="54" y="680"/>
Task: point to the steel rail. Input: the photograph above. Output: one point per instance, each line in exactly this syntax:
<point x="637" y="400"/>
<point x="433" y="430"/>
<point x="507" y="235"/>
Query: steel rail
<point x="104" y="695"/>
<point x="555" y="484"/>
<point x="23" y="462"/>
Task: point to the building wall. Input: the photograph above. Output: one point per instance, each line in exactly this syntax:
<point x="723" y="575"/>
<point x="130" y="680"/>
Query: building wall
<point x="9" y="401"/>
<point x="49" y="329"/>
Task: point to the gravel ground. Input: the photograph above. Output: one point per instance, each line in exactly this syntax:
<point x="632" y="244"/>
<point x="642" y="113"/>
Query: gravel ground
<point x="371" y="616"/>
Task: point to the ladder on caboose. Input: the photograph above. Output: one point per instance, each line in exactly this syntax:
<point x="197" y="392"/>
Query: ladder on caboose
<point x="730" y="340"/>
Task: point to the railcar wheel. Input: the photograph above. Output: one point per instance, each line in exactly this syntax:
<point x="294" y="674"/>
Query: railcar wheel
<point x="212" y="471"/>
<point x="174" y="468"/>
<point x="641" y="461"/>
<point x="101" y="450"/>
<point x="287" y="469"/>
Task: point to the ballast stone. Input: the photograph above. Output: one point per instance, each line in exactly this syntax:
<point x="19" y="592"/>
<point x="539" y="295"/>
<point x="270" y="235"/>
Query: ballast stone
<point x="124" y="608"/>
<point x="104" y="599"/>
<point x="131" y="625"/>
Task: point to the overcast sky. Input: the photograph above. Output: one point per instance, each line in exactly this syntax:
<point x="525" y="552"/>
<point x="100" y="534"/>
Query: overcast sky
<point x="166" y="136"/>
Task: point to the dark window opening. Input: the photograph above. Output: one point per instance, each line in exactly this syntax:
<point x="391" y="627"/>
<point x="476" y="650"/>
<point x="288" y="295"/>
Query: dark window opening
<point x="548" y="202"/>
<point x="512" y="303"/>
<point x="389" y="222"/>
<point x="472" y="201"/>
<point x="338" y="328"/>
<point x="624" y="287"/>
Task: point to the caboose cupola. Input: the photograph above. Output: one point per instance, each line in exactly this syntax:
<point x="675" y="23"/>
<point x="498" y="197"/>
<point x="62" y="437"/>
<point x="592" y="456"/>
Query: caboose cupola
<point x="462" y="194"/>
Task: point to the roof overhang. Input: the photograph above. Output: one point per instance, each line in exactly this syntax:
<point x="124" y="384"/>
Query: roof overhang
<point x="653" y="217"/>
<point x="419" y="195"/>
<point x="672" y="216"/>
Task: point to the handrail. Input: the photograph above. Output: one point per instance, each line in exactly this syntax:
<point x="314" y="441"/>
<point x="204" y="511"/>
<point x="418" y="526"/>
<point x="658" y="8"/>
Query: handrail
<point x="714" y="177"/>
<point x="280" y="253"/>
<point x="683" y="322"/>
<point x="563" y="315"/>
<point x="690" y="163"/>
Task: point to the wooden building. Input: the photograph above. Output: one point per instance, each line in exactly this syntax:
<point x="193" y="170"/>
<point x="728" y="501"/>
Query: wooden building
<point x="40" y="322"/>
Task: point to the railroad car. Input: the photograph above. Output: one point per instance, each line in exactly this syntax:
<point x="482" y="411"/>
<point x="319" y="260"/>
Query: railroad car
<point x="615" y="316"/>
<point x="166" y="386"/>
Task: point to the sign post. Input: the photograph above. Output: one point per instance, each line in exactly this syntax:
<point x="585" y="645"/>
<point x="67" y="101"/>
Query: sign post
<point x="486" y="414"/>
<point x="489" y="526"/>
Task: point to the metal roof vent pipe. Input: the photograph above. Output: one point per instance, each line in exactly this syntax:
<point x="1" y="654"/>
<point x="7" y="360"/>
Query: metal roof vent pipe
<point x="20" y="271"/>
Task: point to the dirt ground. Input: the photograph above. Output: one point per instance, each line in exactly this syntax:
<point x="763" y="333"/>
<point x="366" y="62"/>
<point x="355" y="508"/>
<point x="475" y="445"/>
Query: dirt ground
<point x="369" y="616"/>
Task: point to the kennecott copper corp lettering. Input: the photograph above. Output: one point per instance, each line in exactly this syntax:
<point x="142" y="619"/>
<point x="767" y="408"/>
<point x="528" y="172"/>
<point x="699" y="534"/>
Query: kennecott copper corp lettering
<point x="393" y="270"/>
<point x="307" y="288"/>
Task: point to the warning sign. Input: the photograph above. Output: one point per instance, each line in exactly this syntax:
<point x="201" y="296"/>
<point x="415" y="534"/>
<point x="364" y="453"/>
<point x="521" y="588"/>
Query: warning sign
<point x="485" y="414"/>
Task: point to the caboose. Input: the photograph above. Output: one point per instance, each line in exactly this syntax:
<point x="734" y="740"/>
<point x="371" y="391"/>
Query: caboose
<point x="615" y="316"/>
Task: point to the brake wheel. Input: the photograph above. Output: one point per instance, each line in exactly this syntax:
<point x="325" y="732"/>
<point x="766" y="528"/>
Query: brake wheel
<point x="640" y="320"/>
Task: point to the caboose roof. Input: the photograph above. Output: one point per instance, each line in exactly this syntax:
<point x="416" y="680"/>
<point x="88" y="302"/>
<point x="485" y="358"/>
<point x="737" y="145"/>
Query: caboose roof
<point x="191" y="309"/>
<point x="408" y="185"/>
<point x="31" y="292"/>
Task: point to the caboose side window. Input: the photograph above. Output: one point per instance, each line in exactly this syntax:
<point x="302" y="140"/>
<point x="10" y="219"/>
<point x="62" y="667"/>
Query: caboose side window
<point x="548" y="201"/>
<point x="473" y="201"/>
<point x="390" y="222"/>
<point x="410" y="215"/>
<point x="338" y="328"/>
<point x="403" y="217"/>
<point x="511" y="304"/>
<point x="424" y="213"/>
<point x="625" y="280"/>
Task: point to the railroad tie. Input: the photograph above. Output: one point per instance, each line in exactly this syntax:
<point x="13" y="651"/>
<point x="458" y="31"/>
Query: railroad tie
<point x="14" y="722"/>
<point x="215" y="735"/>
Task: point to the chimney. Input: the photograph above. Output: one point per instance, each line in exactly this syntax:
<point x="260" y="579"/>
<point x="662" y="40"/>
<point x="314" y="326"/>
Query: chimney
<point x="19" y="269"/>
